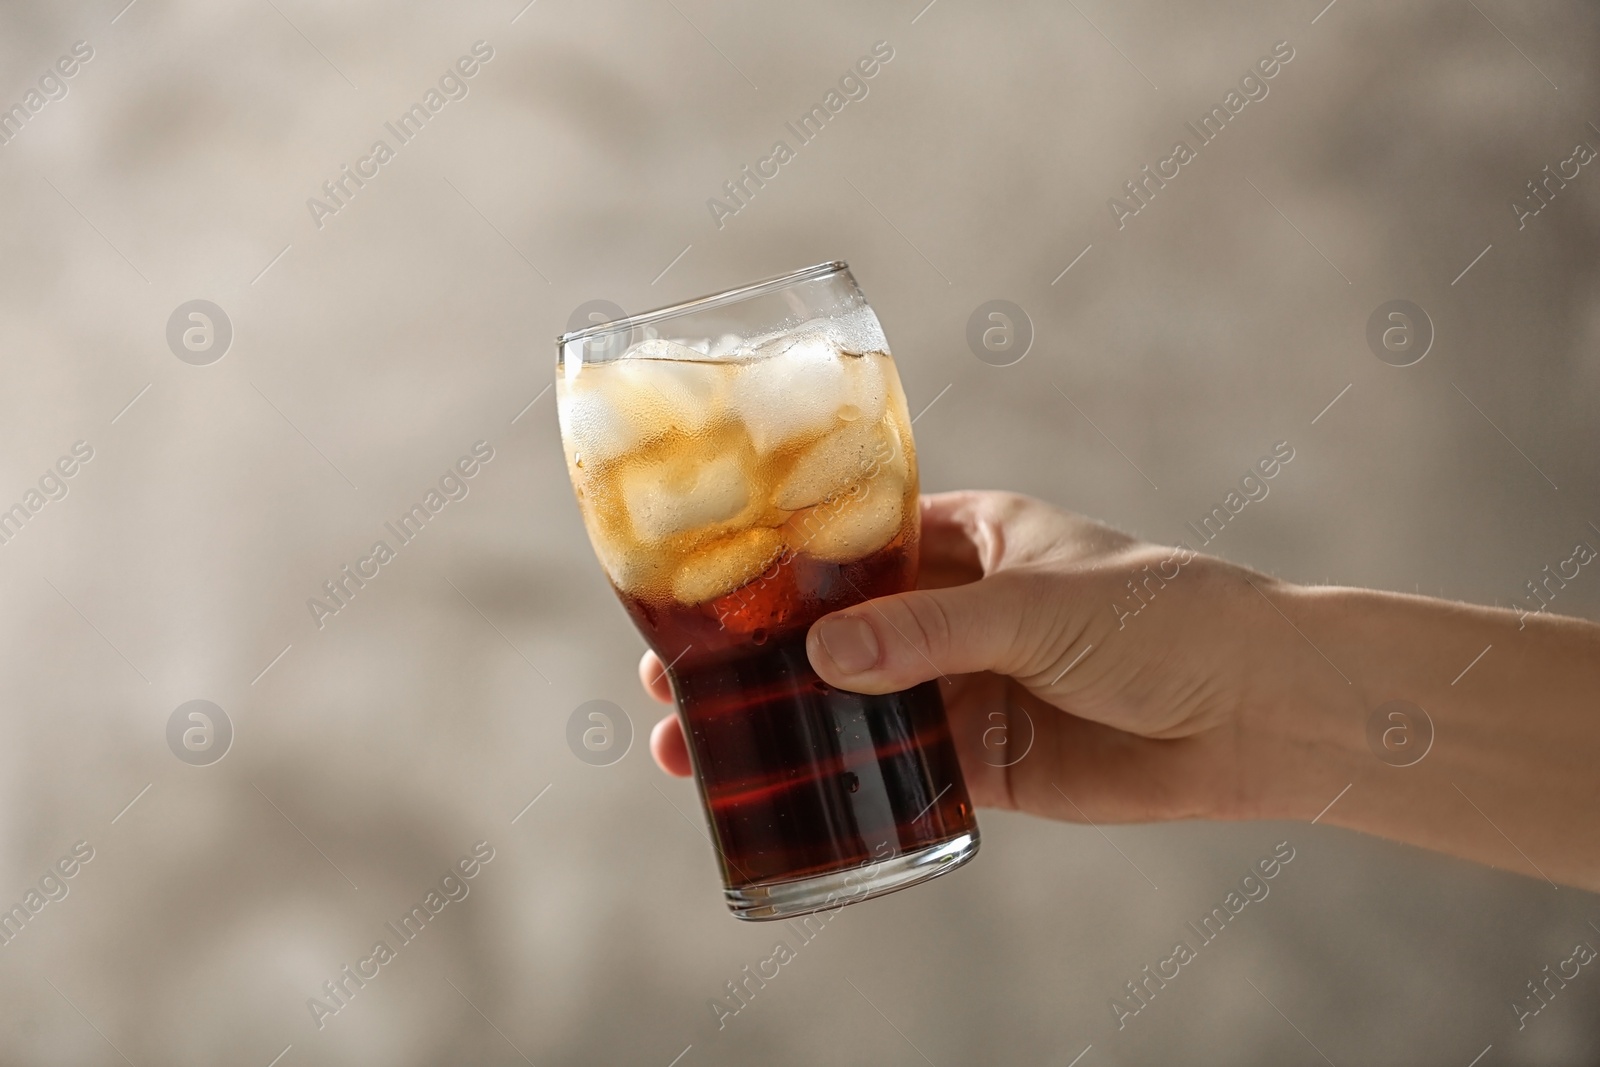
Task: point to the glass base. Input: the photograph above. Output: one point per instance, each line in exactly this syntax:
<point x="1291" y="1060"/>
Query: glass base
<point x="782" y="900"/>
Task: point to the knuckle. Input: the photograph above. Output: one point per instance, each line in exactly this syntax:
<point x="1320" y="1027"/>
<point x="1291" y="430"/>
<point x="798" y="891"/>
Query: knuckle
<point x="926" y="624"/>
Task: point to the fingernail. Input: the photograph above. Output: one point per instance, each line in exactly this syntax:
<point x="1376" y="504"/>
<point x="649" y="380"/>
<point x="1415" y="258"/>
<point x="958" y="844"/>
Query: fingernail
<point x="849" y="642"/>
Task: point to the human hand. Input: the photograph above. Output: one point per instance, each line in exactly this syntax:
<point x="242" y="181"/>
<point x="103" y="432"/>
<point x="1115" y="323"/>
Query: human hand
<point x="1121" y="716"/>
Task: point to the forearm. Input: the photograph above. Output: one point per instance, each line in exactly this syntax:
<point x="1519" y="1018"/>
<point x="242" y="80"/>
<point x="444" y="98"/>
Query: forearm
<point x="1512" y="775"/>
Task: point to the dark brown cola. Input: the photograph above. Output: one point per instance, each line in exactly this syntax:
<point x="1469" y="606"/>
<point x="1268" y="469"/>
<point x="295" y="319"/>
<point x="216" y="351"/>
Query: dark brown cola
<point x="800" y="779"/>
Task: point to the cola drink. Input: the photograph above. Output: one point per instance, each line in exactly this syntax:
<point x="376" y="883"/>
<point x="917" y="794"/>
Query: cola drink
<point x="744" y="465"/>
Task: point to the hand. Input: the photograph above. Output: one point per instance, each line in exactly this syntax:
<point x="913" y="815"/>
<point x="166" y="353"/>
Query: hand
<point x="1161" y="684"/>
<point x="1132" y="716"/>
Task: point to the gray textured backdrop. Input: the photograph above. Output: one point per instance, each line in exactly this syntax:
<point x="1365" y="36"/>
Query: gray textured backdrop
<point x="426" y="714"/>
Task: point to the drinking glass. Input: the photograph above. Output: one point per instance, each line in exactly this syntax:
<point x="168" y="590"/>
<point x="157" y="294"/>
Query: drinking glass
<point x="744" y="466"/>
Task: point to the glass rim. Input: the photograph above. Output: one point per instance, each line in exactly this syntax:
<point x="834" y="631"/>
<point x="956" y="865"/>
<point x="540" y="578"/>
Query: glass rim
<point x="705" y="303"/>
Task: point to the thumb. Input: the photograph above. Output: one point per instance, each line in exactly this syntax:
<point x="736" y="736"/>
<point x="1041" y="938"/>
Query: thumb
<point x="895" y="642"/>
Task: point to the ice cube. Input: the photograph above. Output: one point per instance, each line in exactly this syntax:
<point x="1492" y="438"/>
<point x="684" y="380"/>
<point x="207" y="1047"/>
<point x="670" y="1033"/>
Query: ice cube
<point x="609" y="409"/>
<point x="847" y="456"/>
<point x="629" y="568"/>
<point x="792" y="390"/>
<point x="686" y="492"/>
<point x="850" y="527"/>
<point x="893" y="461"/>
<point x="593" y="427"/>
<point x="660" y="348"/>
<point x="666" y="385"/>
<point x="725" y="565"/>
<point x="859" y="331"/>
<point x="868" y="391"/>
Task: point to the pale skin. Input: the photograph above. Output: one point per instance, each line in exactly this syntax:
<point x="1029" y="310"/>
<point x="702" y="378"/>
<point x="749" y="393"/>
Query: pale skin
<point x="1231" y="695"/>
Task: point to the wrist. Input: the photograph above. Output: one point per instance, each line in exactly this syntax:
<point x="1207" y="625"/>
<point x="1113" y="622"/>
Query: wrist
<point x="1303" y="711"/>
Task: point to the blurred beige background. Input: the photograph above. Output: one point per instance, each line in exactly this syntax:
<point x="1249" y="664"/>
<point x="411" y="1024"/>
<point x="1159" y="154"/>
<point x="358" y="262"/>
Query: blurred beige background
<point x="370" y="353"/>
